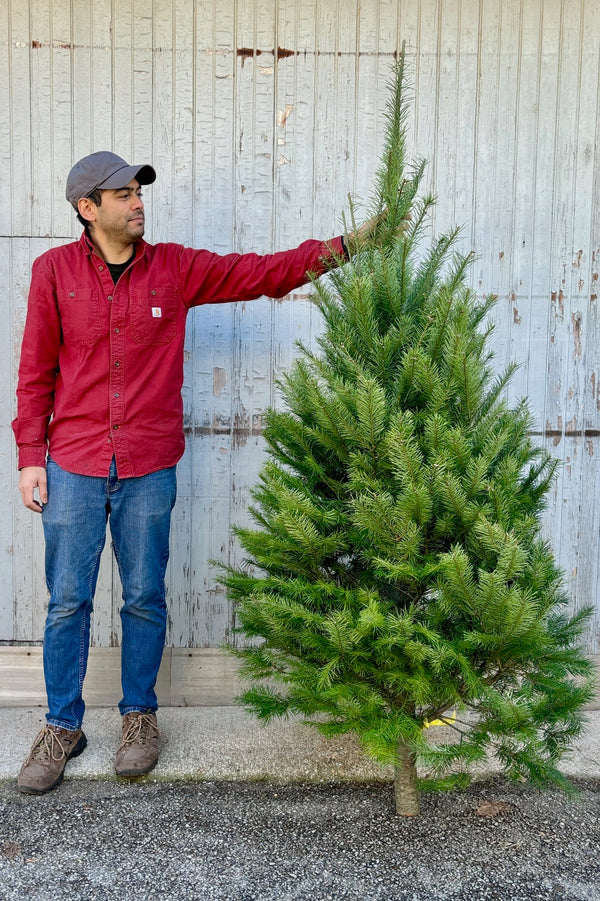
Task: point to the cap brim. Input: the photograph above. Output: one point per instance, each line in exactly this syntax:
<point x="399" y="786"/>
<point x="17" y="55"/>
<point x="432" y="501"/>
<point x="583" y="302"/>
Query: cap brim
<point x="145" y="175"/>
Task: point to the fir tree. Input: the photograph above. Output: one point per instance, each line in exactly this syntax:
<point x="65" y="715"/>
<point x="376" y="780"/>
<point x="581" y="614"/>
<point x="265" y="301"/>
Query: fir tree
<point x="398" y="569"/>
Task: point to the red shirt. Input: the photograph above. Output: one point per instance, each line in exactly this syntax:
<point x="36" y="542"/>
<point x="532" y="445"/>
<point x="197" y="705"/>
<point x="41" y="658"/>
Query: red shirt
<point x="102" y="364"/>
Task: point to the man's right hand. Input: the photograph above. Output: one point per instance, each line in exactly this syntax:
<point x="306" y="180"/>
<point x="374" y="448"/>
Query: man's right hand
<point x="33" y="477"/>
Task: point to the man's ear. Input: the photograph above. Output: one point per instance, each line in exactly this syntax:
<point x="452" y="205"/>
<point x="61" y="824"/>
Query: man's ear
<point x="87" y="208"/>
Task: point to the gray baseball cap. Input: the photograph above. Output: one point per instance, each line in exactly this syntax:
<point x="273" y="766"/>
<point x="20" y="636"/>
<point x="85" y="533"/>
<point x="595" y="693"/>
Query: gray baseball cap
<point x="103" y="170"/>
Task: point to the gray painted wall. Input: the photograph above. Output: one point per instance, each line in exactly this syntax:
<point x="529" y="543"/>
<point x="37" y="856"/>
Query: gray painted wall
<point x="260" y="117"/>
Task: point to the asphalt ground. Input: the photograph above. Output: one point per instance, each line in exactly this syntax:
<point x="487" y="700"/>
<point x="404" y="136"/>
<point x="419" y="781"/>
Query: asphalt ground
<point x="238" y="811"/>
<point x="260" y="841"/>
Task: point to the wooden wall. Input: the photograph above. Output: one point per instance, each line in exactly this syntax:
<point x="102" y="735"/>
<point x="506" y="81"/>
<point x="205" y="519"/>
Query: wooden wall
<point x="260" y="116"/>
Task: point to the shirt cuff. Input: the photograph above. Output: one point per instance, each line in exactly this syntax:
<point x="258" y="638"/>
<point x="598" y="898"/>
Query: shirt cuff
<point x="32" y="455"/>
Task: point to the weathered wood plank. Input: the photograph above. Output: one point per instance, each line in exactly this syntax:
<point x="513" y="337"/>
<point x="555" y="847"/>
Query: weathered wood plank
<point x="29" y="590"/>
<point x="7" y="451"/>
<point x="187" y="678"/>
<point x="54" y="145"/>
<point x="211" y="537"/>
<point x="19" y="77"/>
<point x="6" y="135"/>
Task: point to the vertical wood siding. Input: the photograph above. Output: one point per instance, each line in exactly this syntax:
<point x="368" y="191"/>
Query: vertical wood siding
<point x="260" y="117"/>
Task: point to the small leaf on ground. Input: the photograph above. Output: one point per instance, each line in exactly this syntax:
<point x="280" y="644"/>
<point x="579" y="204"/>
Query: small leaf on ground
<point x="492" y="808"/>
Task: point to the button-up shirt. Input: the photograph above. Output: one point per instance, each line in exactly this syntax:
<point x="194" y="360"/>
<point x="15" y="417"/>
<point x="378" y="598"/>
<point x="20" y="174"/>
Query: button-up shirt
<point x="101" y="366"/>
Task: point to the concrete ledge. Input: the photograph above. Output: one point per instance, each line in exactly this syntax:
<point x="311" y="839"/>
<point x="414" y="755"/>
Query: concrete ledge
<point x="225" y="743"/>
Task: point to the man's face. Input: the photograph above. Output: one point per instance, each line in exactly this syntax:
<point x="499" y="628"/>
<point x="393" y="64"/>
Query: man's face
<point x="120" y="216"/>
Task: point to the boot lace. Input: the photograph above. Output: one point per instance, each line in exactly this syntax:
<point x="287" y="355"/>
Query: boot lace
<point x="138" y="729"/>
<point x="47" y="746"/>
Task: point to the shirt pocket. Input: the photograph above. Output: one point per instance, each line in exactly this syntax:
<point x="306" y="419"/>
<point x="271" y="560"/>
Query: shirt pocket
<point x="80" y="317"/>
<point x="153" y="318"/>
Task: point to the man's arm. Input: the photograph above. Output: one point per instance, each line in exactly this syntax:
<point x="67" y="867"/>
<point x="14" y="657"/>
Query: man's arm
<point x="37" y="381"/>
<point x="212" y="278"/>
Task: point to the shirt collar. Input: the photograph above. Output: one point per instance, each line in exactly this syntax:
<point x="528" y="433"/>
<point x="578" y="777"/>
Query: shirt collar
<point x="88" y="247"/>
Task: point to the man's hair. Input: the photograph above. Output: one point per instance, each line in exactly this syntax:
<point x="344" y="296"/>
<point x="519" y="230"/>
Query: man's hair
<point x="95" y="197"/>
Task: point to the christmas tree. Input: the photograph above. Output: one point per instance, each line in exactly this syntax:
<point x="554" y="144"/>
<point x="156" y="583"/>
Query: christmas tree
<point x="398" y="570"/>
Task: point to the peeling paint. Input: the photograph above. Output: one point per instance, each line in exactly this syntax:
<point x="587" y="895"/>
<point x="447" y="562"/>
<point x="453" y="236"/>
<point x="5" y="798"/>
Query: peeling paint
<point x="239" y="434"/>
<point x="55" y="45"/>
<point x="283" y="115"/>
<point x="559" y="298"/>
<point x="576" y="320"/>
<point x="219" y="380"/>
<point x="549" y="432"/>
<point x="249" y="52"/>
<point x="245" y="52"/>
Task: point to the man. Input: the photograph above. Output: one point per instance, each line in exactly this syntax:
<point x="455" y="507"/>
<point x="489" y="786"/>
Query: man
<point x="100" y="429"/>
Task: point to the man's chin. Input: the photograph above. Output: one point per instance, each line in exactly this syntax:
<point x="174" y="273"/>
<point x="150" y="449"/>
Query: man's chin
<point x="137" y="229"/>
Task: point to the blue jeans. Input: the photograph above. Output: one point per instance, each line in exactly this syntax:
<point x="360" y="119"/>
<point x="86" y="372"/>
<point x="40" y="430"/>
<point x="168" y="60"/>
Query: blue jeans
<point x="74" y="519"/>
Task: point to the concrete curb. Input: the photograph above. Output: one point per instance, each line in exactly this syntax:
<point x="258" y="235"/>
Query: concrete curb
<point x="225" y="743"/>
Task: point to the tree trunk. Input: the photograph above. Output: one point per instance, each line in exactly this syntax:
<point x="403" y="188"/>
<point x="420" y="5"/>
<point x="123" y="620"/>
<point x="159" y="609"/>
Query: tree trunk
<point x="405" y="781"/>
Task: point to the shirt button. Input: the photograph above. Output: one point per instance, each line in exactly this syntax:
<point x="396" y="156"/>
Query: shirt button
<point x="110" y="296"/>
<point x="71" y="293"/>
<point x="117" y="330"/>
<point x="117" y="364"/>
<point x="101" y="268"/>
<point x="115" y="427"/>
<point x="116" y="394"/>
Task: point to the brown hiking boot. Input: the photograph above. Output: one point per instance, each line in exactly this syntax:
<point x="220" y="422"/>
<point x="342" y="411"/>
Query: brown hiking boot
<point x="138" y="752"/>
<point x="45" y="766"/>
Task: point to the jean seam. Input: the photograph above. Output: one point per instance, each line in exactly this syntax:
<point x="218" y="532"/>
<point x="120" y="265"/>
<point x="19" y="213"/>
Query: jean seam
<point x="62" y="724"/>
<point x="87" y="614"/>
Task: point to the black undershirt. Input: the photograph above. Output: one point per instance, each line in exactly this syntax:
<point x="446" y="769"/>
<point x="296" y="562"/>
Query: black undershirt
<point x="117" y="269"/>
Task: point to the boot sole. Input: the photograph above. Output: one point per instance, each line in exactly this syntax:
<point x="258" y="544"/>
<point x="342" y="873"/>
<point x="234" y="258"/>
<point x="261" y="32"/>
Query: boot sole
<point x="77" y="750"/>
